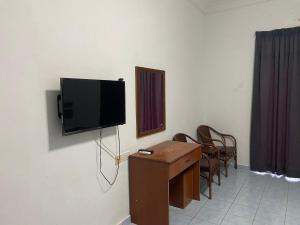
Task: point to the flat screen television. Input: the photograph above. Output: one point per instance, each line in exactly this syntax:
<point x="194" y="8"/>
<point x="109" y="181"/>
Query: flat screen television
<point x="86" y="104"/>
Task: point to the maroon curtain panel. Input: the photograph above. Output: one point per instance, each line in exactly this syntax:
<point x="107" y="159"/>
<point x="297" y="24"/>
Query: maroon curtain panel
<point x="152" y="102"/>
<point x="275" y="122"/>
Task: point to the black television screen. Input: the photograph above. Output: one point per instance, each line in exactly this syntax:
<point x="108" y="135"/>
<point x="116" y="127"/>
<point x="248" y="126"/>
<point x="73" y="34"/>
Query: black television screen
<point x="91" y="104"/>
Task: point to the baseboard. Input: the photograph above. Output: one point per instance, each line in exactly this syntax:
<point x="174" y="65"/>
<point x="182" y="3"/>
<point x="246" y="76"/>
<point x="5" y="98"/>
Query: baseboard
<point x="240" y="166"/>
<point x="125" y="221"/>
<point x="244" y="167"/>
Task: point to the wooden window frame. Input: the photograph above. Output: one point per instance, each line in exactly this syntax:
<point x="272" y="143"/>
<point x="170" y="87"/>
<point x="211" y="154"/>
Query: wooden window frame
<point x="140" y="133"/>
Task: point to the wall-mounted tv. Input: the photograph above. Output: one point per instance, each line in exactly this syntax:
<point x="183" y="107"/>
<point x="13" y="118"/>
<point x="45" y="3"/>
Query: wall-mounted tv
<point x="86" y="104"/>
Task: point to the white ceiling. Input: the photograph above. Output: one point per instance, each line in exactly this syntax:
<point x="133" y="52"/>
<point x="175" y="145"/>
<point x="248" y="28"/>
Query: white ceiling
<point x="212" y="6"/>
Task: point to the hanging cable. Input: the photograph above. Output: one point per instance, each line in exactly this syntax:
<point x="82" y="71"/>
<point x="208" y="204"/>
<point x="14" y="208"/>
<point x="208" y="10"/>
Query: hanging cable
<point x="118" y="157"/>
<point x="107" y="150"/>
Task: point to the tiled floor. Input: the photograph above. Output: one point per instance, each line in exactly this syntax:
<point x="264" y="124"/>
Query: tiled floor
<point x="244" y="198"/>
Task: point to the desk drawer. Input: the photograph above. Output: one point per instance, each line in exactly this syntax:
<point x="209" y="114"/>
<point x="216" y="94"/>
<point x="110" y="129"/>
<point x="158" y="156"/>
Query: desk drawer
<point x="183" y="163"/>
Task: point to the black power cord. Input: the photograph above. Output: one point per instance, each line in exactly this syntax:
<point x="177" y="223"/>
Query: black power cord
<point x="119" y="155"/>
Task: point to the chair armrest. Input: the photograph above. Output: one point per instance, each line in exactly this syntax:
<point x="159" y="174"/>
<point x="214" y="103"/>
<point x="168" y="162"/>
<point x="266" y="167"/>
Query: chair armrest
<point x="215" y="131"/>
<point x="211" y="150"/>
<point x="223" y="137"/>
<point x="192" y="139"/>
<point x="212" y="139"/>
<point x="231" y="138"/>
<point x="218" y="133"/>
<point x="216" y="140"/>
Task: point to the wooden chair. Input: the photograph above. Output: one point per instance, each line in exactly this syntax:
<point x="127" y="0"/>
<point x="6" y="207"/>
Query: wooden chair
<point x="204" y="134"/>
<point x="210" y="162"/>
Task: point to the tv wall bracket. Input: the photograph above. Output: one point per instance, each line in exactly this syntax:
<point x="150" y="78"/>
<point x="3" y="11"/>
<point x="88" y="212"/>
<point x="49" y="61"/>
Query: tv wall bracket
<point x="59" y="112"/>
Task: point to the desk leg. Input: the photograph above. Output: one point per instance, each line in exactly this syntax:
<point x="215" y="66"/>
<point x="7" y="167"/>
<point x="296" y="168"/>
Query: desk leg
<point x="149" y="192"/>
<point x="196" y="181"/>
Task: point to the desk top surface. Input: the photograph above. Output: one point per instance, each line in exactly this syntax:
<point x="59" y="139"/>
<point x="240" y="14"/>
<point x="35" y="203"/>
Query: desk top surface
<point x="168" y="151"/>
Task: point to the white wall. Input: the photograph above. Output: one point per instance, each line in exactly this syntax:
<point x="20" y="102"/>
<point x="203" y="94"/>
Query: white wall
<point x="47" y="179"/>
<point x="226" y="81"/>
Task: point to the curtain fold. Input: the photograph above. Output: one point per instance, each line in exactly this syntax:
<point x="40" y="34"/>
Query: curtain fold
<point x="275" y="123"/>
<point x="152" y="105"/>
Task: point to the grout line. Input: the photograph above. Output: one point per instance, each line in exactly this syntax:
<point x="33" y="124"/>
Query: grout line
<point x="287" y="203"/>
<point x="192" y="217"/>
<point x="204" y="206"/>
<point x="198" y="211"/>
<point x="233" y="202"/>
<point x="260" y="201"/>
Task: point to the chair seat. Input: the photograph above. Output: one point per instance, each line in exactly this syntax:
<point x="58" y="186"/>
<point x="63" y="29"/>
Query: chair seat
<point x="214" y="163"/>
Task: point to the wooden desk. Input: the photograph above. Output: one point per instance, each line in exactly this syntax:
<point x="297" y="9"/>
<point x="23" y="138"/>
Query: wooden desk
<point x="170" y="175"/>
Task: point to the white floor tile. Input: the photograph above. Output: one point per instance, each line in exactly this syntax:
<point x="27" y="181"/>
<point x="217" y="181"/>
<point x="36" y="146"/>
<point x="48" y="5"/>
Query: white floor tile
<point x="211" y="215"/>
<point x="196" y="221"/>
<point x="178" y="219"/>
<point x="191" y="210"/>
<point x="292" y="221"/>
<point x="236" y="220"/>
<point x="217" y="204"/>
<point x="248" y="200"/>
<point x="244" y="198"/>
<point x="269" y="217"/>
<point x="242" y="211"/>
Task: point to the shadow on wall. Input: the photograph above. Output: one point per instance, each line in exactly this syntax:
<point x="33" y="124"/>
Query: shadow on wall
<point x="57" y="141"/>
<point x="55" y="138"/>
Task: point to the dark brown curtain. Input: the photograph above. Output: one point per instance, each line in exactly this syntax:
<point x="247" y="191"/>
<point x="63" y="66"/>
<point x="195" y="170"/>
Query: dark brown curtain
<point x="275" y="125"/>
<point x="151" y="104"/>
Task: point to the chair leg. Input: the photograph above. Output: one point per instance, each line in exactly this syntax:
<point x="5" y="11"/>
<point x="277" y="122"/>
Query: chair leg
<point x="209" y="185"/>
<point x="226" y="169"/>
<point x="219" y="179"/>
<point x="235" y="163"/>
